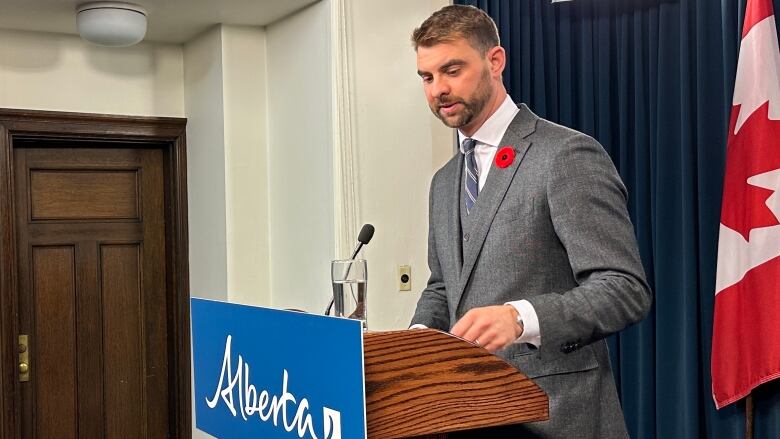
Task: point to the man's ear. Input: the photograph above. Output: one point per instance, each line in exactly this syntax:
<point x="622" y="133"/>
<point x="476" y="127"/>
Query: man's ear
<point x="496" y="57"/>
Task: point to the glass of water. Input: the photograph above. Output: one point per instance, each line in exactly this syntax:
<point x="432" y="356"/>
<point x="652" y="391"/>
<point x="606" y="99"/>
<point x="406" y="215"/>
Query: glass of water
<point x="349" y="288"/>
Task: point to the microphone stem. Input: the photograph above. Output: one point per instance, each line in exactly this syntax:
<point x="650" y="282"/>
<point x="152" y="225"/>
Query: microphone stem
<point x="357" y="250"/>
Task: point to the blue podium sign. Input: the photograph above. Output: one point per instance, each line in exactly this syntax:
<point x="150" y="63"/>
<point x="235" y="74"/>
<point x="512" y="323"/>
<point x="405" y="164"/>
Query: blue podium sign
<point x="266" y="373"/>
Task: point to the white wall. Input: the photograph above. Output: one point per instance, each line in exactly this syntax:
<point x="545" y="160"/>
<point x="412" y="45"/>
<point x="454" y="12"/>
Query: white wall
<point x="400" y="146"/>
<point x="225" y="97"/>
<point x="45" y="71"/>
<point x="206" y="165"/>
<point x="246" y="164"/>
<point x="300" y="176"/>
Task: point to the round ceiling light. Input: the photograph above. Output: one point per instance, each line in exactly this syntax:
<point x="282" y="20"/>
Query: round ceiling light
<point x="114" y="24"/>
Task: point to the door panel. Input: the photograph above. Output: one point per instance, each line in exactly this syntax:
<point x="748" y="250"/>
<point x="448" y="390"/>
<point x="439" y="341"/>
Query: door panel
<point x="120" y="288"/>
<point x="74" y="194"/>
<point x="53" y="288"/>
<point x="91" y="222"/>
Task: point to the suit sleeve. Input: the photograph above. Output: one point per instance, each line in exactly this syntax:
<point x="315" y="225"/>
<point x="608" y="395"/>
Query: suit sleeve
<point x="587" y="202"/>
<point x="432" y="310"/>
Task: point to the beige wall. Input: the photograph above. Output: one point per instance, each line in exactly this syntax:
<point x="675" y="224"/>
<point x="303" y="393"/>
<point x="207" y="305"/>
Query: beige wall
<point x="225" y="95"/>
<point x="244" y="62"/>
<point x="300" y="176"/>
<point x="206" y="165"/>
<point x="400" y="146"/>
<point x="46" y="71"/>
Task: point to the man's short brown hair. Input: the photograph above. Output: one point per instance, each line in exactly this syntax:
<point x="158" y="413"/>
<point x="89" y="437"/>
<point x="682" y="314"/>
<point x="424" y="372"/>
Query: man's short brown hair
<point x="457" y="21"/>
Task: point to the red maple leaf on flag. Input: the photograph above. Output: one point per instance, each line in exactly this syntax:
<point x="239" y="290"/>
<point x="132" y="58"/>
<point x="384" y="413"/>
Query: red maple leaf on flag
<point x="754" y="150"/>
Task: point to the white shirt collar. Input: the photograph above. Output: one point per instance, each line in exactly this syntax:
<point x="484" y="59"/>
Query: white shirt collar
<point x="492" y="131"/>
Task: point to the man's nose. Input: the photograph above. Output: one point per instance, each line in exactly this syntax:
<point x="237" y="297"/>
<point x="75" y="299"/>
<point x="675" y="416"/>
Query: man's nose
<point x="440" y="87"/>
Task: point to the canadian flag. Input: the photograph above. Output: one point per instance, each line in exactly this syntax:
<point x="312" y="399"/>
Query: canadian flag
<point x="746" y="328"/>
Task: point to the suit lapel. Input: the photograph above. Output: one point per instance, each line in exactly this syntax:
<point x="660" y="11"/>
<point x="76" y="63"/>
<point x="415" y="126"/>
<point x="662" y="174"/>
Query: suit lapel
<point x="492" y="195"/>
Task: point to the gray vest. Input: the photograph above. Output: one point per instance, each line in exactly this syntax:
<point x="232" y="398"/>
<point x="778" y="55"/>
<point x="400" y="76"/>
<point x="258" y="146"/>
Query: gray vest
<point x="467" y="223"/>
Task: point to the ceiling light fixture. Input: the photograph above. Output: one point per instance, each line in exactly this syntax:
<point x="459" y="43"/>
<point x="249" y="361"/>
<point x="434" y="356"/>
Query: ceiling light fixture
<point x="114" y="24"/>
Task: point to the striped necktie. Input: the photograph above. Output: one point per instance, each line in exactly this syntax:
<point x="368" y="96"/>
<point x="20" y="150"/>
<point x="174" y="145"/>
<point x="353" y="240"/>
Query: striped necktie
<point x="472" y="174"/>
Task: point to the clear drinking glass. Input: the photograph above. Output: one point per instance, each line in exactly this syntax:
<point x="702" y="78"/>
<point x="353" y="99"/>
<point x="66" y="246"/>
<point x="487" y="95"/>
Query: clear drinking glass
<point x="349" y="288"/>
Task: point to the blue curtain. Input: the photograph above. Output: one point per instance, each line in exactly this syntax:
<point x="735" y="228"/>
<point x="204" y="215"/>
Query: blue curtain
<point x="652" y="80"/>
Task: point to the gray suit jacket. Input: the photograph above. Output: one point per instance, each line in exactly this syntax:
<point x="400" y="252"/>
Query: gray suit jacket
<point x="551" y="228"/>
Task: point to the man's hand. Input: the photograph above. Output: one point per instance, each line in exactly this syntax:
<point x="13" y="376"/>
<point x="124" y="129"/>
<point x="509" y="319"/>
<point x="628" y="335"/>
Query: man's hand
<point x="492" y="327"/>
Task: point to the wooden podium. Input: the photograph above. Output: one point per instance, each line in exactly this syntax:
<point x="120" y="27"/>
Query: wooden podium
<point x="427" y="383"/>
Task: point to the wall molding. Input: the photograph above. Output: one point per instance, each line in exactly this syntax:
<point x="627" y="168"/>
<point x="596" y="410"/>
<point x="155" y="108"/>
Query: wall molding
<point x="346" y="193"/>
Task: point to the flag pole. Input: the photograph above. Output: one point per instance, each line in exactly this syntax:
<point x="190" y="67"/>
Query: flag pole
<point x="749" y="416"/>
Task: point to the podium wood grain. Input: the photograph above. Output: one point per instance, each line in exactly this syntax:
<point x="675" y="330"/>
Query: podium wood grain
<point x="426" y="382"/>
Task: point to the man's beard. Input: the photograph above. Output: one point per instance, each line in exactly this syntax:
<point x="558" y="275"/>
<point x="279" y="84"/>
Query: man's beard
<point x="471" y="108"/>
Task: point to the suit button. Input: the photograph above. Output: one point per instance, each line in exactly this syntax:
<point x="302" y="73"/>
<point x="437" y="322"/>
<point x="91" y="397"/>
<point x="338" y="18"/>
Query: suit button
<point x="466" y="237"/>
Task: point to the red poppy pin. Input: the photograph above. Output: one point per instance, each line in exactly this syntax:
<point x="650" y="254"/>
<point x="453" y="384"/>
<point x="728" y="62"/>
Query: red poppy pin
<point x="505" y="156"/>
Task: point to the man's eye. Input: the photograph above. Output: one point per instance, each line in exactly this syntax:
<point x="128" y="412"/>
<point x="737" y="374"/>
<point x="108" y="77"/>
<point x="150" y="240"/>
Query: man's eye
<point x="453" y="72"/>
<point x="427" y="79"/>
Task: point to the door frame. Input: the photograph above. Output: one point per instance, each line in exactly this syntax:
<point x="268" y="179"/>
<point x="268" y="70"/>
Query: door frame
<point x="169" y="131"/>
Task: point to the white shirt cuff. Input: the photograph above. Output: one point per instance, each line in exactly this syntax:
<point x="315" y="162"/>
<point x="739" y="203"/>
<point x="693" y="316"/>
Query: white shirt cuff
<point x="530" y="333"/>
<point x="418" y="326"/>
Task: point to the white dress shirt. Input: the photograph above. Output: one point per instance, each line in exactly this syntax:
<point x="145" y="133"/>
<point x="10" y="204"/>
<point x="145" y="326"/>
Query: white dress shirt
<point x="488" y="137"/>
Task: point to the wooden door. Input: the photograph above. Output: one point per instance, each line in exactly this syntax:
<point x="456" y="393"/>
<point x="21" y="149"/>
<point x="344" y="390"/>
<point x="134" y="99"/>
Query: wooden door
<point x="91" y="281"/>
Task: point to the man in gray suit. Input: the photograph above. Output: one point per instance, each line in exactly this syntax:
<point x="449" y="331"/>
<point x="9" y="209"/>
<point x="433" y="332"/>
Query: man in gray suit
<point x="531" y="250"/>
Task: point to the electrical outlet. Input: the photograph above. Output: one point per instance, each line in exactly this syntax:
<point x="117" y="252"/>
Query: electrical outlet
<point x="404" y="278"/>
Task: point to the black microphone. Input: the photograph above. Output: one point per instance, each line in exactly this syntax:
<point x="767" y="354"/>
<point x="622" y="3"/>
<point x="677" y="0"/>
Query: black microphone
<point x="365" y="235"/>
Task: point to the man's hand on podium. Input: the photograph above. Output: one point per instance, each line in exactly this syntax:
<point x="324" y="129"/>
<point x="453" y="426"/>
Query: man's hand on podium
<point x="492" y="327"/>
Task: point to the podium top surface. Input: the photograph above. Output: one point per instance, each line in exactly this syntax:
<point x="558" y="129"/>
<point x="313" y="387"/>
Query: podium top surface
<point x="425" y="381"/>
